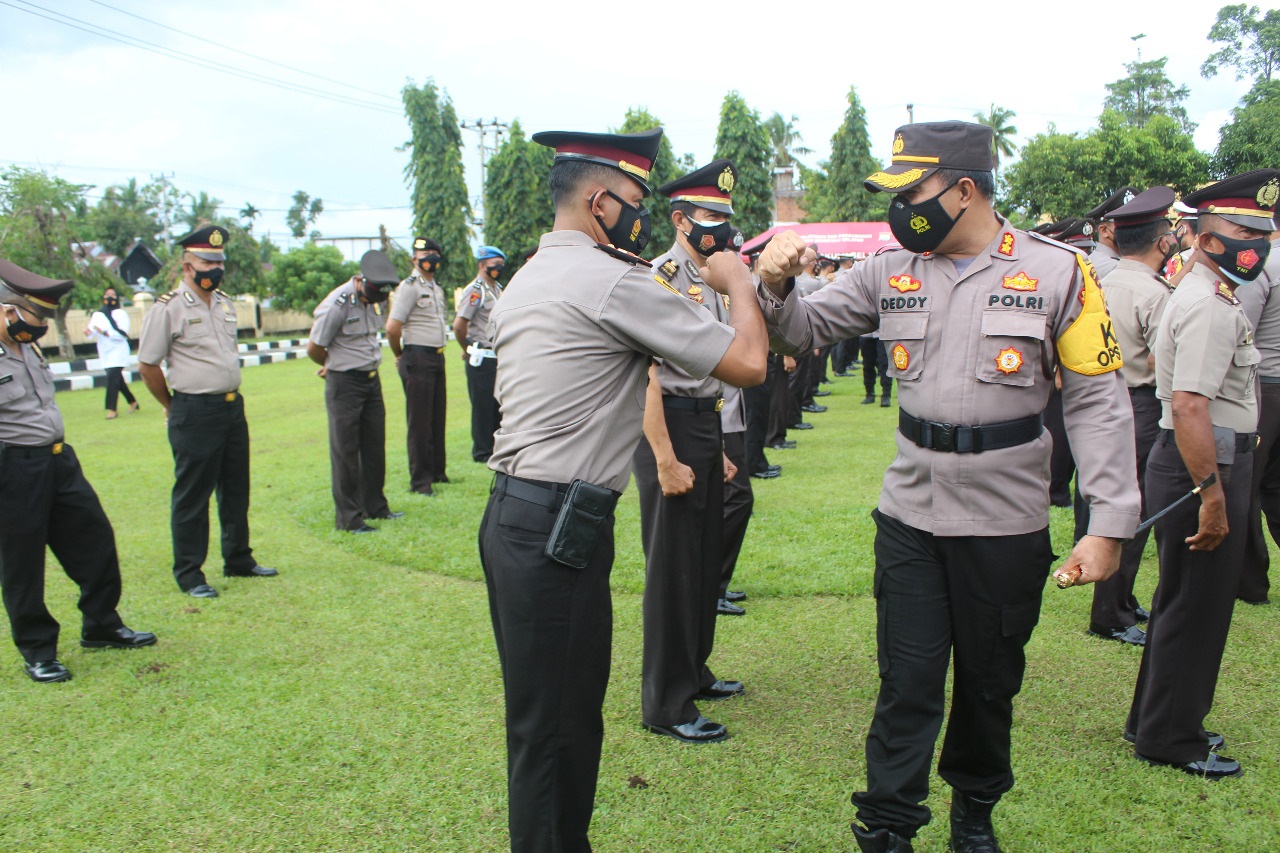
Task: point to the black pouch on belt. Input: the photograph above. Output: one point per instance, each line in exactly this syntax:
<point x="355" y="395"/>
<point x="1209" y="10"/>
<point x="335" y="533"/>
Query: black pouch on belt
<point x="585" y="509"/>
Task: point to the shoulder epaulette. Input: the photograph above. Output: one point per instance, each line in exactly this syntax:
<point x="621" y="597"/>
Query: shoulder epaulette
<point x="1228" y="294"/>
<point x="166" y="297"/>
<point x="885" y="249"/>
<point x="669" y="268"/>
<point x="1049" y="241"/>
<point x="622" y="255"/>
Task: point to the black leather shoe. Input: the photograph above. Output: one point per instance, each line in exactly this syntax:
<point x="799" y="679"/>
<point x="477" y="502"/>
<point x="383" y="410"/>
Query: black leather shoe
<point x="822" y="393"/>
<point x="1142" y="614"/>
<point x="1255" y="603"/>
<point x="1213" y="767"/>
<point x="766" y="474"/>
<point x="885" y="402"/>
<point x="364" y="528"/>
<point x="721" y="690"/>
<point x="724" y="608"/>
<point x="971" y="829"/>
<point x="843" y="375"/>
<point x="202" y="591"/>
<point x="801" y="425"/>
<point x="868" y="400"/>
<point x="1133" y="635"/>
<point x="255" y="572"/>
<point x="47" y="671"/>
<point x="1216" y="741"/>
<point x="783" y="445"/>
<point x="120" y="638"/>
<point x="777" y="468"/>
<point x="700" y="730"/>
<point x="389" y="516"/>
<point x="815" y="408"/>
<point x="735" y="595"/>
<point x="443" y="478"/>
<point x="425" y="492"/>
<point x="880" y="841"/>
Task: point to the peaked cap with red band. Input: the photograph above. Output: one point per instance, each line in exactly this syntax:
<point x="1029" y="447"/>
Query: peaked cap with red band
<point x="708" y="187"/>
<point x="208" y="243"/>
<point x="28" y="290"/>
<point x="630" y="153"/>
<point x="1149" y="206"/>
<point x="1248" y="199"/>
<point x="1117" y="199"/>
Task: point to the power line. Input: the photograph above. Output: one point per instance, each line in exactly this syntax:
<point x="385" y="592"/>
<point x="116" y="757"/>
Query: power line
<point x="151" y="47"/>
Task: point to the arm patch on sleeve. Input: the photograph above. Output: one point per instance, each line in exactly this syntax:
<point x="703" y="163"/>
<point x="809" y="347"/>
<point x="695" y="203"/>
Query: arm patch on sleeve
<point x="1089" y="344"/>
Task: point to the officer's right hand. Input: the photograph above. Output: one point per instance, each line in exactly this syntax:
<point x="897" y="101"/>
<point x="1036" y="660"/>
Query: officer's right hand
<point x="785" y="257"/>
<point x="1213" y="526"/>
<point x="788" y="364"/>
<point x="721" y="269"/>
<point x="675" y="478"/>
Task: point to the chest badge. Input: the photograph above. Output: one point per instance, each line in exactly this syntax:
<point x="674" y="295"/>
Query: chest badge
<point x="475" y="297"/>
<point x="1021" y="281"/>
<point x="1006" y="245"/>
<point x="1009" y="361"/>
<point x="901" y="358"/>
<point x="904" y="283"/>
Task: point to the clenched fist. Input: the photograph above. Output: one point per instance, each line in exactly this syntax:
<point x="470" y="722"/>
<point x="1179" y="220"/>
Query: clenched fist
<point x="721" y="269"/>
<point x="785" y="257"/>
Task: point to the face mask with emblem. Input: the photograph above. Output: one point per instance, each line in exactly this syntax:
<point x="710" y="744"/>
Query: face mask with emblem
<point x="110" y="302"/>
<point x="20" y="330"/>
<point x="1241" y="260"/>
<point x="374" y="293"/>
<point x="494" y="271"/>
<point x="429" y="263"/>
<point x="923" y="226"/>
<point x="631" y="232"/>
<point x="208" y="279"/>
<point x="707" y="238"/>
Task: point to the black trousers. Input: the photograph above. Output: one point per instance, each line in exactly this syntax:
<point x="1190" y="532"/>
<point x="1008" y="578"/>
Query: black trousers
<point x="421" y="372"/>
<point x="739" y="499"/>
<point x="357" y="446"/>
<point x="553" y="627"/>
<point x="974" y="597"/>
<point x="800" y="384"/>
<point x="1191" y="611"/>
<point x="756" y="403"/>
<point x="780" y="413"/>
<point x="1264" y="500"/>
<point x="875" y="363"/>
<point x="484" y="407"/>
<point x="117" y="386"/>
<point x="46" y="501"/>
<point x="1062" y="465"/>
<point x="683" y="540"/>
<point x="818" y="374"/>
<point x="843" y="354"/>
<point x="210" y="441"/>
<point x="1114" y="604"/>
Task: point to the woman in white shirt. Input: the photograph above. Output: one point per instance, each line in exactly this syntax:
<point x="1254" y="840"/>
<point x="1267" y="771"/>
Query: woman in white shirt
<point x="109" y="328"/>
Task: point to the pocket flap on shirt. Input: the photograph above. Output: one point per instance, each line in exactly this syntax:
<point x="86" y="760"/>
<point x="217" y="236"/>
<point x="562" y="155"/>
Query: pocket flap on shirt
<point x="1000" y="323"/>
<point x="906" y="326"/>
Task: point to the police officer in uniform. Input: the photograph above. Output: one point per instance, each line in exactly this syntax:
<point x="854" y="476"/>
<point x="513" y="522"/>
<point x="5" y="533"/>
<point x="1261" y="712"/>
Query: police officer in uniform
<point x="975" y="314"/>
<point x="471" y="329"/>
<point x="739" y="497"/>
<point x="344" y="342"/>
<point x="1136" y="296"/>
<point x="680" y="474"/>
<point x="193" y="329"/>
<point x="45" y="499"/>
<point x="1206" y="378"/>
<point x="575" y="333"/>
<point x="416" y="335"/>
<point x="1105" y="256"/>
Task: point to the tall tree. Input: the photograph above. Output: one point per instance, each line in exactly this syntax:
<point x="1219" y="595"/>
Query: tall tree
<point x="126" y="212"/>
<point x="249" y="213"/>
<point x="666" y="168"/>
<point x="742" y="138"/>
<point x="1251" y="140"/>
<point x="441" y="209"/>
<point x="519" y="209"/>
<point x="998" y="119"/>
<point x="203" y="208"/>
<point x="1147" y="91"/>
<point x="246" y="258"/>
<point x="788" y="145"/>
<point x="303" y="213"/>
<point x="1250" y="44"/>
<point x="835" y="192"/>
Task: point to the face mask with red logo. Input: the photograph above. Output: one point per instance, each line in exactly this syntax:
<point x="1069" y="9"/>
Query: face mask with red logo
<point x="1241" y="260"/>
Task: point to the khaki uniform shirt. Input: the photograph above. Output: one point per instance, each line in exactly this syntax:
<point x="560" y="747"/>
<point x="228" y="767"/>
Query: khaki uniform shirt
<point x="1261" y="303"/>
<point x="475" y="304"/>
<point x="575" y="332"/>
<point x="680" y="271"/>
<point x="733" y="417"/>
<point x="981" y="348"/>
<point x="347" y="327"/>
<point x="807" y="285"/>
<point x="418" y="303"/>
<point x="198" y="341"/>
<point x="1205" y="346"/>
<point x="1104" y="260"/>
<point x="1136" y="297"/>
<point x="28" y="415"/>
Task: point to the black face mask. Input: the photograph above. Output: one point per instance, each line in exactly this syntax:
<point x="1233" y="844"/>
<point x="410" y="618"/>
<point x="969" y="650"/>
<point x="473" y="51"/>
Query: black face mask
<point x="429" y="263"/>
<point x="208" y="279"/>
<point x="921" y="227"/>
<point x="707" y="239"/>
<point x="23" y="332"/>
<point x="110" y="301"/>
<point x="494" y="272"/>
<point x="373" y="293"/>
<point x="1242" y="260"/>
<point x="1174" y="248"/>
<point x="631" y="232"/>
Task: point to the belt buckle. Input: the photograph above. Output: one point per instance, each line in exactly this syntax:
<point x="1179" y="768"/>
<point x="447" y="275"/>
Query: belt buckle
<point x="57" y="448"/>
<point x="373" y="373"/>
<point x="230" y="396"/>
<point x="944" y="437"/>
<point x="719" y="403"/>
<point x="439" y="351"/>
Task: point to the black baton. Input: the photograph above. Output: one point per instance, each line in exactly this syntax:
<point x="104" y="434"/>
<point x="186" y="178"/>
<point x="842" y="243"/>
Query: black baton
<point x="1206" y="483"/>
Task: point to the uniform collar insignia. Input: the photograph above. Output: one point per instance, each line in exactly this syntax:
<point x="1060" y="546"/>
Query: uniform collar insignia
<point x="1006" y="244"/>
<point x="1226" y="293"/>
<point x="692" y="269"/>
<point x="669" y="268"/>
<point x="191" y="300"/>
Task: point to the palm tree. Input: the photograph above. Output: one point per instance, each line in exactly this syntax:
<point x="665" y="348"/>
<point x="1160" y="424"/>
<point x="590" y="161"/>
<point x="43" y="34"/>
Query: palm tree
<point x="998" y="120"/>
<point x="249" y="213"/>
<point x="788" y="145"/>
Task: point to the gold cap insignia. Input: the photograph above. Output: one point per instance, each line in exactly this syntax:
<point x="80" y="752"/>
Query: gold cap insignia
<point x="419" y="244"/>
<point x="1087" y="229"/>
<point x="1270" y="193"/>
<point x="726" y="180"/>
<point x="215" y="239"/>
<point x="899" y="144"/>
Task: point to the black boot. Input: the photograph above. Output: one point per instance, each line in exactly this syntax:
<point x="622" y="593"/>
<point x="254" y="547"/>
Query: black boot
<point x="880" y="841"/>
<point x="971" y="830"/>
<point x="870" y="398"/>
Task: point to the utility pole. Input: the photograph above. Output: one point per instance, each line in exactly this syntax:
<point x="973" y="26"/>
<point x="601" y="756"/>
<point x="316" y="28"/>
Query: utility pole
<point x="484" y="128"/>
<point x="911" y="113"/>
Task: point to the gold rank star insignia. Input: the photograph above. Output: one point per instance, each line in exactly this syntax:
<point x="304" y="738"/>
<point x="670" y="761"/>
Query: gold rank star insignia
<point x="1006" y="245"/>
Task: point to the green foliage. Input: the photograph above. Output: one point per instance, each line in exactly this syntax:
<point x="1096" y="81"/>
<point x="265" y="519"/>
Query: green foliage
<point x="435" y="176"/>
<point x="665" y="169"/>
<point x="1061" y="175"/>
<point x="124" y="213"/>
<point x="1147" y="92"/>
<point x="518" y="209"/>
<point x="1251" y="140"/>
<point x="244" y="263"/>
<point x="304" y="276"/>
<point x="742" y="138"/>
<point x="998" y="118"/>
<point x="1250" y="45"/>
<point x="788" y="144"/>
<point x="203" y="209"/>
<point x="835" y="192"/>
<point x="304" y="211"/>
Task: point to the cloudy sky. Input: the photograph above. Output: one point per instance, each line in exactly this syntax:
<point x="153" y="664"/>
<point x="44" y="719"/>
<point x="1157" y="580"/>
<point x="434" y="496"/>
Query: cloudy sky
<point x="271" y="97"/>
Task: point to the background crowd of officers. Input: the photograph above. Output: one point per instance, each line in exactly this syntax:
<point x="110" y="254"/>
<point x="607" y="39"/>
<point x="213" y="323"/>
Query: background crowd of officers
<point x="1156" y="363"/>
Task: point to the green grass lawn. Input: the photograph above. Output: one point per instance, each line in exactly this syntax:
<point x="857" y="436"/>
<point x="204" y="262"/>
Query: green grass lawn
<point x="354" y="702"/>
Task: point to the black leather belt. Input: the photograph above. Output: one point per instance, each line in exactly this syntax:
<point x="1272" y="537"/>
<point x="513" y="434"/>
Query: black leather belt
<point x="1269" y="380"/>
<point x="411" y="347"/>
<point x="226" y="397"/>
<point x="23" y="452"/>
<point x="1143" y="391"/>
<point x="693" y="404"/>
<point x="362" y="374"/>
<point x="550" y="495"/>
<point x="949" y="438"/>
<point x="1245" y="441"/>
